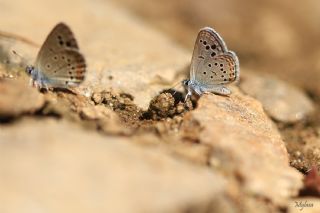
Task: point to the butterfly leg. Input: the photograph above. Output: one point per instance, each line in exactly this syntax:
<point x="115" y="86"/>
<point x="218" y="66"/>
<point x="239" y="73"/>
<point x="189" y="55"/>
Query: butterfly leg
<point x="46" y="86"/>
<point x="36" y="84"/>
<point x="187" y="96"/>
<point x="31" y="82"/>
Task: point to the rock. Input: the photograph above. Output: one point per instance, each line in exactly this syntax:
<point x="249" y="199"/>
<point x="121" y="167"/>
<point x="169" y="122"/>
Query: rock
<point x="167" y="105"/>
<point x="97" y="98"/>
<point x="117" y="46"/>
<point x="245" y="144"/>
<point x="66" y="105"/>
<point x="53" y="165"/>
<point x="17" y="97"/>
<point x="283" y="102"/>
<point x="303" y="144"/>
<point x="196" y="153"/>
<point x="163" y="105"/>
<point x="106" y="119"/>
<point x="97" y="112"/>
<point x="310" y="152"/>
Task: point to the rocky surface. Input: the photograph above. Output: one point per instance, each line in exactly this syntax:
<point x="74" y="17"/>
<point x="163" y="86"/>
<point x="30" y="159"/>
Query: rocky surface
<point x="17" y="97"/>
<point x="65" y="168"/>
<point x="123" y="142"/>
<point x="282" y="101"/>
<point x="303" y="146"/>
<point x="246" y="144"/>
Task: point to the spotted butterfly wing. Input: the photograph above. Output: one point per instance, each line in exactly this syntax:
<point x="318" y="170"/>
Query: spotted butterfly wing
<point x="212" y="63"/>
<point x="63" y="69"/>
<point x="59" y="61"/>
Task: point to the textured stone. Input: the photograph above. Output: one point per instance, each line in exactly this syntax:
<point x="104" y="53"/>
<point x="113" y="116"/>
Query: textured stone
<point x="54" y="166"/>
<point x="282" y="101"/>
<point x="97" y="113"/>
<point x="106" y="119"/>
<point x="245" y="143"/>
<point x="17" y="97"/>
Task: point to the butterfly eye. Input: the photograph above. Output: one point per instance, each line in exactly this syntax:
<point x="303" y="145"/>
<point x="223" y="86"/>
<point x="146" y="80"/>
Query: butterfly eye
<point x="29" y="69"/>
<point x="185" y="82"/>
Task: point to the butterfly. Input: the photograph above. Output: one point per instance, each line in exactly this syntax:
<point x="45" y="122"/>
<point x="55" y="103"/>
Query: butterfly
<point x="59" y="63"/>
<point x="212" y="65"/>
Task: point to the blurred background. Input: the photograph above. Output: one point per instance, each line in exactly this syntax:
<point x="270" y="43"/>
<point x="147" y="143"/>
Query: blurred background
<point x="277" y="37"/>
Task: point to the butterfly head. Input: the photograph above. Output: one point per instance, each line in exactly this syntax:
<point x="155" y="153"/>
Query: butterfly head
<point x="186" y="82"/>
<point x="29" y="70"/>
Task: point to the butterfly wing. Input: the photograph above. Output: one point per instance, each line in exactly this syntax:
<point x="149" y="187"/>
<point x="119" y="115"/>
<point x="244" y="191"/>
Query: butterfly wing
<point x="61" y="37"/>
<point x="59" y="61"/>
<point x="63" y="69"/>
<point x="212" y="63"/>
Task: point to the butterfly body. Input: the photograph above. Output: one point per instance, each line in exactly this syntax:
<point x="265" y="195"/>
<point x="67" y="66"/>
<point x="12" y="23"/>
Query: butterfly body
<point x="212" y="65"/>
<point x="194" y="87"/>
<point x="59" y="63"/>
<point x="37" y="77"/>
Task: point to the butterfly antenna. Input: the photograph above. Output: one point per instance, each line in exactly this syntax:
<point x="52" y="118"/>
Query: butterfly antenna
<point x="23" y="61"/>
<point x="15" y="53"/>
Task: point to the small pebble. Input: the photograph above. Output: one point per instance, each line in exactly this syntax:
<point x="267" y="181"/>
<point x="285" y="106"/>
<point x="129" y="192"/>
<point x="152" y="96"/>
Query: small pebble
<point x="97" y="98"/>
